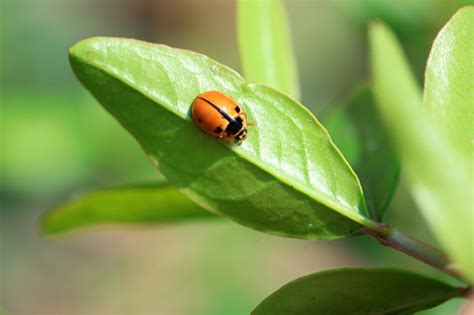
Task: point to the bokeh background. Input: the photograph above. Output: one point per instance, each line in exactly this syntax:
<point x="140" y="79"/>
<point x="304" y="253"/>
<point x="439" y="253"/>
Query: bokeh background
<point x="57" y="142"/>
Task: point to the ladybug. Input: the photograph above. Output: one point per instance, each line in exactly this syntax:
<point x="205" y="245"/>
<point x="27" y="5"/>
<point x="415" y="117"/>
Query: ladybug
<point x="220" y="116"/>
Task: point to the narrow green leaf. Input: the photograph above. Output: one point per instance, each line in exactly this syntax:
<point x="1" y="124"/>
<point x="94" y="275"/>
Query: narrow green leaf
<point x="152" y="203"/>
<point x="266" y="51"/>
<point x="287" y="178"/>
<point x="358" y="131"/>
<point x="449" y="80"/>
<point x="357" y="291"/>
<point x="440" y="177"/>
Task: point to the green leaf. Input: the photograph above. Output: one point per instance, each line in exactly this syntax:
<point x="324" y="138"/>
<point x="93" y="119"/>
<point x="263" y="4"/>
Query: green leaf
<point x="358" y="131"/>
<point x="152" y="203"/>
<point x="357" y="291"/>
<point x="266" y="51"/>
<point x="287" y="178"/>
<point x="439" y="177"/>
<point x="449" y="80"/>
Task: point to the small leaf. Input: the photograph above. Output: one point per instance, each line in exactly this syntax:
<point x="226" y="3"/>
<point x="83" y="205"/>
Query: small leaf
<point x="152" y="203"/>
<point x="286" y="178"/>
<point x="449" y="80"/>
<point x="439" y="177"/>
<point x="266" y="51"/>
<point x="357" y="291"/>
<point x="358" y="131"/>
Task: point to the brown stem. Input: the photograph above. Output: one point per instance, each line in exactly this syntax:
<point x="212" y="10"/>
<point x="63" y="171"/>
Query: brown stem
<point x="388" y="236"/>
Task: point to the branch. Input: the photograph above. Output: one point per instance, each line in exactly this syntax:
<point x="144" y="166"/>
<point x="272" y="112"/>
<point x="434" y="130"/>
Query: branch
<point x="388" y="236"/>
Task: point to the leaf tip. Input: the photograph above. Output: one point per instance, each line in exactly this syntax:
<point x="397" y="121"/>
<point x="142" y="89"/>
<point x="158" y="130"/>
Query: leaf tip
<point x="46" y="225"/>
<point x="377" y="28"/>
<point x="55" y="221"/>
<point x="376" y="24"/>
<point x="75" y="49"/>
<point x="86" y="49"/>
<point x="465" y="9"/>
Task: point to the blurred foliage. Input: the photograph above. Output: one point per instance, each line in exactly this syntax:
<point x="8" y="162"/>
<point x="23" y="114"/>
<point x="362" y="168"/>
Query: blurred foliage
<point x="359" y="133"/>
<point x="425" y="150"/>
<point x="56" y="141"/>
<point x="146" y="203"/>
<point x="416" y="23"/>
<point x="266" y="47"/>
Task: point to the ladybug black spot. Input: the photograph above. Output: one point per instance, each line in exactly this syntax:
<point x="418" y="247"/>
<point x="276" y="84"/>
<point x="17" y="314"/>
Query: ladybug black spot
<point x="199" y="120"/>
<point x="237" y="109"/>
<point x="218" y="130"/>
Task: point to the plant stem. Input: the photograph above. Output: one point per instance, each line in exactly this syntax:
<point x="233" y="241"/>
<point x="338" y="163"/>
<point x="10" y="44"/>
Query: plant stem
<point x="388" y="236"/>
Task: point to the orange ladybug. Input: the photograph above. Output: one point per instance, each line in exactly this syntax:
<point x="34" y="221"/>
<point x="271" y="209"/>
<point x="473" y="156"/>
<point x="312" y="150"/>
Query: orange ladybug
<point x="220" y="116"/>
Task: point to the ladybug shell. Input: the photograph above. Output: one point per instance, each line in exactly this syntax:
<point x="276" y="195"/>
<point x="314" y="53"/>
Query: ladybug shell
<point x="220" y="116"/>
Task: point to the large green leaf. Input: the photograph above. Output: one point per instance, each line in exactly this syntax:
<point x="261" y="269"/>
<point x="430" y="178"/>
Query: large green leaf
<point x="357" y="291"/>
<point x="439" y="177"/>
<point x="151" y="203"/>
<point x="358" y="131"/>
<point x="287" y="178"/>
<point x="266" y="51"/>
<point x="449" y="79"/>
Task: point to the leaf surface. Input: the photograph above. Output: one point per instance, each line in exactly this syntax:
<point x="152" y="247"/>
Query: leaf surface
<point x="440" y="177"/>
<point x="287" y="178"/>
<point x="449" y="80"/>
<point x="266" y="51"/>
<point x="360" y="134"/>
<point x="151" y="203"/>
<point x="357" y="292"/>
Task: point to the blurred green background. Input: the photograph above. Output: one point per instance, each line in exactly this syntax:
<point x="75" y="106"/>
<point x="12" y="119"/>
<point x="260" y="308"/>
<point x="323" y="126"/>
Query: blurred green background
<point x="56" y="142"/>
